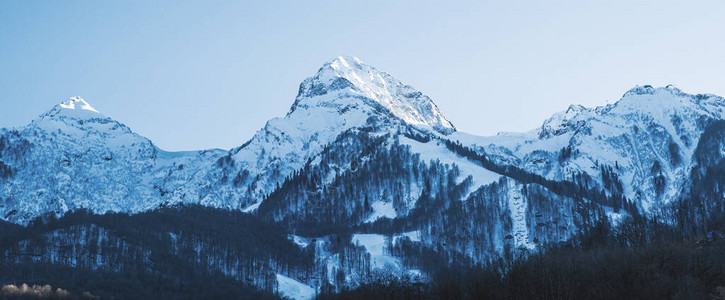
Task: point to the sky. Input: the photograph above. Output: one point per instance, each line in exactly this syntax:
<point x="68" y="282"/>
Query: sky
<point x="208" y="74"/>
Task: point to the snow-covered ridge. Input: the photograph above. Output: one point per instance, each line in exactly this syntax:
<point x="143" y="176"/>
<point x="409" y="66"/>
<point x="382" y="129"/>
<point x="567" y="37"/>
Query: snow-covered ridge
<point x="649" y="128"/>
<point x="657" y="102"/>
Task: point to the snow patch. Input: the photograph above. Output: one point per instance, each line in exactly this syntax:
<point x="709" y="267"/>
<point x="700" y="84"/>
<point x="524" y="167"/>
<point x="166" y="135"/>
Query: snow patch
<point x="382" y="210"/>
<point x="615" y="217"/>
<point x="413" y="236"/>
<point x="294" y="289"/>
<point x="376" y="246"/>
<point x="252" y="208"/>
<point x="517" y="207"/>
<point x="79" y="102"/>
<point x="300" y="241"/>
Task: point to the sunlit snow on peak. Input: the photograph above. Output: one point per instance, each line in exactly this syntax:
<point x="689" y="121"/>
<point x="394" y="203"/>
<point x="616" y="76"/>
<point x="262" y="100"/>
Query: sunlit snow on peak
<point x="77" y="102"/>
<point x="345" y="62"/>
<point x="347" y="82"/>
<point x="74" y="108"/>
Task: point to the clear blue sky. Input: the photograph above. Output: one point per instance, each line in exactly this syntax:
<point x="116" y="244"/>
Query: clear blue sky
<point x="208" y="74"/>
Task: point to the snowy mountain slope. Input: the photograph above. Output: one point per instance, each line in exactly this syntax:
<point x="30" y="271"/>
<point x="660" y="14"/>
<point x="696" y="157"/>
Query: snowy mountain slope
<point x="434" y="151"/>
<point x="74" y="157"/>
<point x="645" y="140"/>
<point x="402" y="183"/>
<point x="293" y="289"/>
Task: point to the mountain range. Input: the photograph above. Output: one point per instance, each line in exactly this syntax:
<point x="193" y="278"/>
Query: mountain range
<point x="365" y="175"/>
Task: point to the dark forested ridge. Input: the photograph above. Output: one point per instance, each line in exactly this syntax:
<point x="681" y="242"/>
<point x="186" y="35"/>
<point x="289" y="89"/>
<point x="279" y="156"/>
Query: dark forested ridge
<point x="170" y="253"/>
<point x="639" y="259"/>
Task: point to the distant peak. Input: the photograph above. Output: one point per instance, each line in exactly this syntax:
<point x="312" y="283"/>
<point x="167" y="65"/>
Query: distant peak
<point x="74" y="107"/>
<point x="77" y="103"/>
<point x="649" y="90"/>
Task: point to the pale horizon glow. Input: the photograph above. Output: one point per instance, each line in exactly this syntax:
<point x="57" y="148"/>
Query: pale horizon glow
<point x="198" y="75"/>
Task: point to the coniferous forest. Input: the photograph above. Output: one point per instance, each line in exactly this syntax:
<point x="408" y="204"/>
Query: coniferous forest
<point x="639" y="259"/>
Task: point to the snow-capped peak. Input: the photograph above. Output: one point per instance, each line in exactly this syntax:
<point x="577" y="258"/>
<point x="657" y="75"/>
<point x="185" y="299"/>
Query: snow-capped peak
<point x="74" y="107"/>
<point x="348" y="77"/>
<point x="562" y="121"/>
<point x="657" y="103"/>
<point x="660" y="102"/>
<point x="78" y="119"/>
<point x="72" y="102"/>
<point x="343" y="62"/>
<point x="650" y="90"/>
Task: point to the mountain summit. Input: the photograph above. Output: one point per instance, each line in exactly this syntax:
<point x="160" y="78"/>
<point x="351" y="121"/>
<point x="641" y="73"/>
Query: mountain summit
<point x="74" y="107"/>
<point x="72" y="102"/>
<point x="349" y="78"/>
